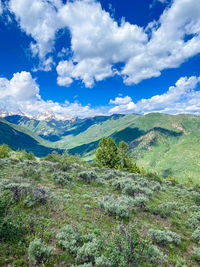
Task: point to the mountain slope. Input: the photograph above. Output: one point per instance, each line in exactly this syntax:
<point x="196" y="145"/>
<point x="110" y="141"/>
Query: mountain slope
<point x="56" y="130"/>
<point x="165" y="143"/>
<point x="159" y="142"/>
<point x="19" y="138"/>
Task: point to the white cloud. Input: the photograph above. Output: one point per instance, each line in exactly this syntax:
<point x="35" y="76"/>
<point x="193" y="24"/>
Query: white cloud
<point x="21" y="92"/>
<point x="98" y="42"/>
<point x="21" y="87"/>
<point x="45" y="65"/>
<point x="1" y="8"/>
<point x="181" y="98"/>
<point x="167" y="48"/>
<point x="121" y="100"/>
<point x="40" y="20"/>
<point x="154" y="2"/>
<point x="163" y="1"/>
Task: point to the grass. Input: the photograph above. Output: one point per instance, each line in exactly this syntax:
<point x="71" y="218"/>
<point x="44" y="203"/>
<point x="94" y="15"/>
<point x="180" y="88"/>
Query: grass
<point x="77" y="204"/>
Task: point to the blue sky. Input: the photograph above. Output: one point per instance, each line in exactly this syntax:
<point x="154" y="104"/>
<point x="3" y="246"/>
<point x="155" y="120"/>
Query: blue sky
<point x="88" y="57"/>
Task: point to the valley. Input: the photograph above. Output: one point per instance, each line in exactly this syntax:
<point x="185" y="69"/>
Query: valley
<point x="168" y="144"/>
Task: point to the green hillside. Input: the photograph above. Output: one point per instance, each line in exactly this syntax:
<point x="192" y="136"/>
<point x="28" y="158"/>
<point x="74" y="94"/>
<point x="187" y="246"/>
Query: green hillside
<point x="159" y="142"/>
<point x="20" y="138"/>
<point x="93" y="217"/>
<point x="59" y="130"/>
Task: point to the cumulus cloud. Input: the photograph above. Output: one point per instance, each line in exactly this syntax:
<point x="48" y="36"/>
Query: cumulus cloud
<point x="21" y="92"/>
<point x="1" y="8"/>
<point x="98" y="42"/>
<point x="121" y="100"/>
<point x="181" y="98"/>
<point x="168" y="46"/>
<point x="38" y="19"/>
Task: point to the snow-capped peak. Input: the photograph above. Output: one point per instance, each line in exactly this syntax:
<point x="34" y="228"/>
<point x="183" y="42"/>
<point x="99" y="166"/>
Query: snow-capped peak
<point x="50" y="115"/>
<point x="44" y="116"/>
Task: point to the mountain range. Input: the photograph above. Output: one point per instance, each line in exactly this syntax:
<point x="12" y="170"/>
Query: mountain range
<point x="168" y="144"/>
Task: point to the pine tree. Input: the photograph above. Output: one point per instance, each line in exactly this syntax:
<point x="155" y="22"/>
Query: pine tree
<point x="107" y="155"/>
<point x="126" y="162"/>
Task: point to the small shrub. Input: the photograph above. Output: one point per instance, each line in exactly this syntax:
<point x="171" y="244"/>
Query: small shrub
<point x="117" y="207"/>
<point x="196" y="235"/>
<point x="88" y="176"/>
<point x="141" y="202"/>
<point x="89" y="251"/>
<point x="132" y="189"/>
<point x="171" y="181"/>
<point x="53" y="157"/>
<point x="126" y="247"/>
<point x="195" y="208"/>
<point x="11" y="227"/>
<point x="23" y="155"/>
<point x="64" y="166"/>
<point x="27" y="192"/>
<point x="156" y="187"/>
<point x="77" y="166"/>
<point x="62" y="178"/>
<point x="155" y="256"/>
<point x="196" y="254"/>
<point x="38" y="195"/>
<point x="164" y="238"/>
<point x="196" y="198"/>
<point x="38" y="252"/>
<point x="165" y="210"/>
<point x="193" y="221"/>
<point x="102" y="261"/>
<point x="31" y="173"/>
<point x="69" y="238"/>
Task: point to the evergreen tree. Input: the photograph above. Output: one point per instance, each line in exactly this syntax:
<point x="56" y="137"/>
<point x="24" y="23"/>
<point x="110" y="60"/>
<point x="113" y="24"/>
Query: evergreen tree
<point x="107" y="155"/>
<point x="123" y="154"/>
<point x="126" y="162"/>
<point x="4" y="151"/>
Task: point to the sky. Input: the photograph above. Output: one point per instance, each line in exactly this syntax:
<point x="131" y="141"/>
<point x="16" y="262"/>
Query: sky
<point x="93" y="57"/>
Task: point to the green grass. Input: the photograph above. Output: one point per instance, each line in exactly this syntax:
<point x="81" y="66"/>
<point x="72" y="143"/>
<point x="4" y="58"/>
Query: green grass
<point x="77" y="203"/>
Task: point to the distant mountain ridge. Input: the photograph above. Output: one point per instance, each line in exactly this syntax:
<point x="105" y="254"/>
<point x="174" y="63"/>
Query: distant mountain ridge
<point x="44" y="116"/>
<point x="169" y="144"/>
<point x="18" y="137"/>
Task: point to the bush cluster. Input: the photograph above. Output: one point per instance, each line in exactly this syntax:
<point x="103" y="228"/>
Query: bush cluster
<point x="31" y="195"/>
<point x="164" y="238"/>
<point x="38" y="252"/>
<point x="194" y="220"/>
<point x="69" y="238"/>
<point x="155" y="256"/>
<point x="62" y="178"/>
<point x="86" y="248"/>
<point x="11" y="227"/>
<point x="88" y="176"/>
<point x="165" y="210"/>
<point x="117" y="207"/>
<point x="133" y="187"/>
<point x="196" y="254"/>
<point x="140" y="202"/>
<point x="196" y="235"/>
<point x="30" y="172"/>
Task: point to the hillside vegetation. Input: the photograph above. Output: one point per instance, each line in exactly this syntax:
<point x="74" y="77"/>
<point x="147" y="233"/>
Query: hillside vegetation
<point x="20" y="138"/>
<point x="168" y="144"/>
<point x="59" y="211"/>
